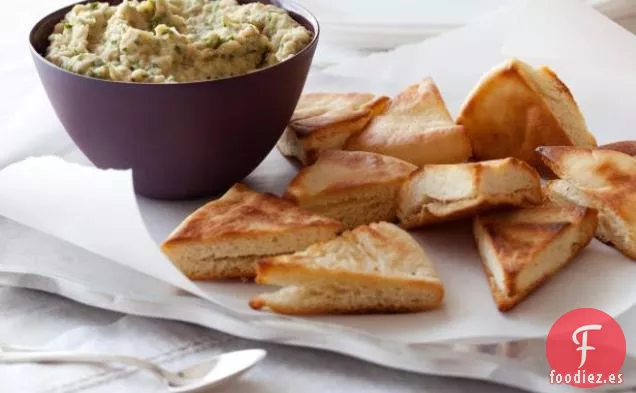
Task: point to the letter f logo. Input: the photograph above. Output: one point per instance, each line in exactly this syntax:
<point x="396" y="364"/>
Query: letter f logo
<point x="583" y="344"/>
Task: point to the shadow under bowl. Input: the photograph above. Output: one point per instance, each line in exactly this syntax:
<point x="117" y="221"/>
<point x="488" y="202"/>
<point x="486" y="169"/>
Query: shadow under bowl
<point x="181" y="140"/>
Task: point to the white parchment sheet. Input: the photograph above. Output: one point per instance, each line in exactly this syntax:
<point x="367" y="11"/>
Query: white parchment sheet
<point x="97" y="210"/>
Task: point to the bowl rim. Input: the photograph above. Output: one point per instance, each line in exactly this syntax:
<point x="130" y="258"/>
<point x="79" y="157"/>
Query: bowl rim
<point x="290" y="6"/>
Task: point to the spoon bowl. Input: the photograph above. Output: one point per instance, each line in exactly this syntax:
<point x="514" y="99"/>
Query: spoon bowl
<point x="198" y="377"/>
<point x="218" y="370"/>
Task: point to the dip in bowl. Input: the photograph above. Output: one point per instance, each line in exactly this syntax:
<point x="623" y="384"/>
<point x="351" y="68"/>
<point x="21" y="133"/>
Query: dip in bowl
<point x="174" y="40"/>
<point x="189" y="94"/>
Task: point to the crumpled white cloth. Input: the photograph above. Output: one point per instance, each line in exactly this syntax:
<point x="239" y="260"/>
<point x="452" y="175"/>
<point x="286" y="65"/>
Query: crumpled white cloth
<point x="35" y="318"/>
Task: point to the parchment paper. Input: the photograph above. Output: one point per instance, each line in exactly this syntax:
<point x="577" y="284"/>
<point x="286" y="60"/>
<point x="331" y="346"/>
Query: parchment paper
<point x="98" y="210"/>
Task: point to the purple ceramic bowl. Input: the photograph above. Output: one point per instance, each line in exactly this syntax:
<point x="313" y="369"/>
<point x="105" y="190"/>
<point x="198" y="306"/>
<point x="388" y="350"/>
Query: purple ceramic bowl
<point x="182" y="140"/>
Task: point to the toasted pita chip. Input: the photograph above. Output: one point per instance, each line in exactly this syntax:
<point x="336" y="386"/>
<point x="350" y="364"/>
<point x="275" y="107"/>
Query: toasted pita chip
<point x="416" y="128"/>
<point x="437" y="193"/>
<point x="353" y="187"/>
<point x="226" y="237"/>
<point x="515" y="108"/>
<point x="324" y="121"/>
<point x="376" y="268"/>
<point x="521" y="249"/>
<point x="602" y="179"/>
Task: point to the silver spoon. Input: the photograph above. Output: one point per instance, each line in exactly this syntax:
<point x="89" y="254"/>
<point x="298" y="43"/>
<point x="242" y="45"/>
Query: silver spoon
<point x="198" y="377"/>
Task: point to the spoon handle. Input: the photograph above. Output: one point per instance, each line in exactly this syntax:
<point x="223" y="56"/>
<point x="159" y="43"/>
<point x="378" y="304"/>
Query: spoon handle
<point x="72" y="357"/>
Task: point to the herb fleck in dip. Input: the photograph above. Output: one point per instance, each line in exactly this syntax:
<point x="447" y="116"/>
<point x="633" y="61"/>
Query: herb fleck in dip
<point x="159" y="41"/>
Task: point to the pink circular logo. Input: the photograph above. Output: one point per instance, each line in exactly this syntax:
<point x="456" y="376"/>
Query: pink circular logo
<point x="586" y="348"/>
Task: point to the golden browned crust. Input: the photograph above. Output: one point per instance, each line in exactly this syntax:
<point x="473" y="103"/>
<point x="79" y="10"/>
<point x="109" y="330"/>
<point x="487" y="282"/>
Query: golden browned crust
<point x="506" y="115"/>
<point x="384" y="241"/>
<point x="376" y="257"/>
<point x="518" y="236"/>
<point x="609" y="176"/>
<point x="606" y="179"/>
<point x="471" y="205"/>
<point x="442" y="145"/>
<point x="269" y="271"/>
<point x="627" y="147"/>
<point x="504" y="303"/>
<point x="609" y="231"/>
<point x="515" y="251"/>
<point x="417" y="128"/>
<point x="559" y="83"/>
<point x="324" y="121"/>
<point x="315" y="113"/>
<point x="515" y="130"/>
<point x="308" y="148"/>
<point x="232" y="274"/>
<point x="243" y="212"/>
<point x="238" y="268"/>
<point x="606" y="171"/>
<point x="272" y="270"/>
<point x="471" y="208"/>
<point x="337" y="172"/>
<point x="553" y="156"/>
<point x="259" y="303"/>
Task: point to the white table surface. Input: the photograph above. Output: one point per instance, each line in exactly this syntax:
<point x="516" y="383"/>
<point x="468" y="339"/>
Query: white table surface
<point x="34" y="318"/>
